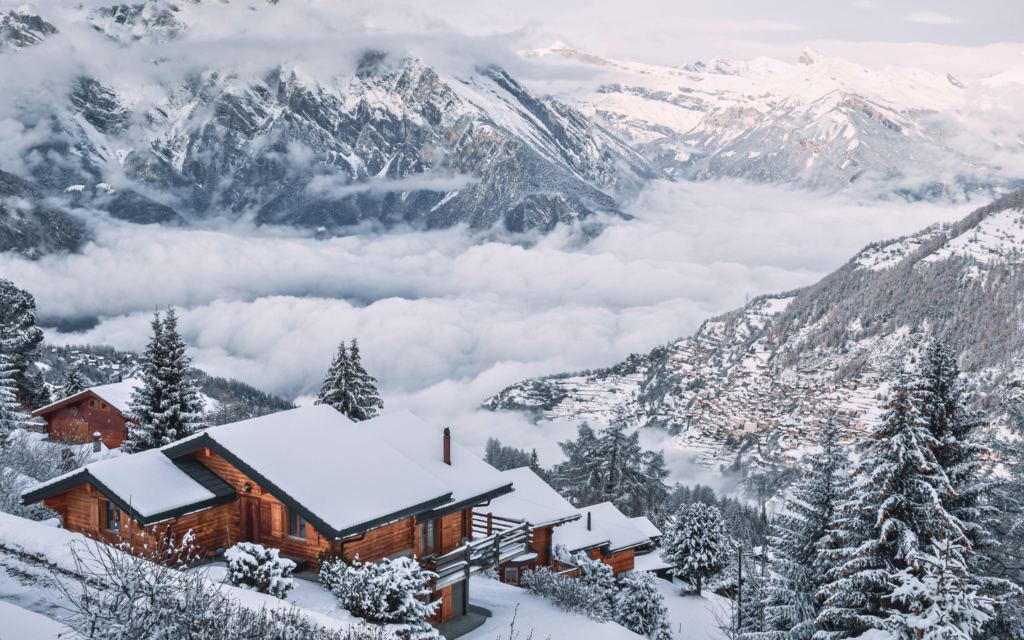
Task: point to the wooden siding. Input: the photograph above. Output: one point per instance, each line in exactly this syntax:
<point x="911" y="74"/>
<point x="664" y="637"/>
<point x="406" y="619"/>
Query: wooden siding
<point x="620" y="561"/>
<point x="78" y="421"/>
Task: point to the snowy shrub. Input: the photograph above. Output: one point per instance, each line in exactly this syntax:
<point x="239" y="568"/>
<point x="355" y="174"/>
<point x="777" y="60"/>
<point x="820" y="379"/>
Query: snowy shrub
<point x="598" y="576"/>
<point x="640" y="607"/>
<point x="567" y="593"/>
<point x="113" y="595"/>
<point x="386" y="592"/>
<point x="251" y="566"/>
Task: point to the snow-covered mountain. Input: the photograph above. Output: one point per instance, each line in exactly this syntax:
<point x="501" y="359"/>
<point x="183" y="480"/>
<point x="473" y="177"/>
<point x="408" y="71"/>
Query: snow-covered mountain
<point x="394" y="140"/>
<point x="823" y="121"/>
<point x="756" y="382"/>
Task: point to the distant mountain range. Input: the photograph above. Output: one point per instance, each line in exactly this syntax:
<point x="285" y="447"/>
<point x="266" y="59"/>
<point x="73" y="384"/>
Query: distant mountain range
<point x="823" y="122"/>
<point x="751" y="386"/>
<point x="396" y="141"/>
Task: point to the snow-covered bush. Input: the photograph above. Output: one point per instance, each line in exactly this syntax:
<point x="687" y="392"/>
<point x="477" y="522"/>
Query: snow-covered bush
<point x="114" y="595"/>
<point x="598" y="576"/>
<point x="251" y="566"/>
<point x="567" y="593"/>
<point x="640" y="607"/>
<point x="386" y="592"/>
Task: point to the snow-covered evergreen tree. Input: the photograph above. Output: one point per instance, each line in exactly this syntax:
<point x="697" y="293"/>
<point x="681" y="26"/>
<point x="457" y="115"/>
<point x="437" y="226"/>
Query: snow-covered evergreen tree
<point x="11" y="417"/>
<point x="385" y="592"/>
<point x="611" y="467"/>
<point x="937" y="600"/>
<point x="348" y="388"/>
<point x="167" y="406"/>
<point x="640" y="607"/>
<point x="753" y="621"/>
<point x="74" y="382"/>
<point x="366" y="400"/>
<point x="896" y="505"/>
<point x="20" y="339"/>
<point x="697" y="544"/>
<point x="941" y="396"/>
<point x="800" y="536"/>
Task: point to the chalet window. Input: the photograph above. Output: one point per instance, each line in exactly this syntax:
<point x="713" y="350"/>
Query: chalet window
<point x="296" y="525"/>
<point x="428" y="537"/>
<point x="512" y="575"/>
<point x="92" y="403"/>
<point x="113" y="518"/>
<point x="104" y="405"/>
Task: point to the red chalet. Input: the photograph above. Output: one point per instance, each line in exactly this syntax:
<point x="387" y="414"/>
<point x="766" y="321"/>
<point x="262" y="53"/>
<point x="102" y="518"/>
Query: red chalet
<point x="302" y="481"/>
<point x="96" y="410"/>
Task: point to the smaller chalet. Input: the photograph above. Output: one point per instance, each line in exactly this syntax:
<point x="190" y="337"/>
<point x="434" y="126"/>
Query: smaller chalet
<point x="96" y="410"/>
<point x="535" y="503"/>
<point x="604" y="533"/>
<point x="303" y="481"/>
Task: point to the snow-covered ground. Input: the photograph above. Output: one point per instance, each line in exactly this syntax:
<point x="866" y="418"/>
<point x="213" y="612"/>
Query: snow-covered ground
<point x="21" y="624"/>
<point x="692" y="617"/>
<point x="535" y="615"/>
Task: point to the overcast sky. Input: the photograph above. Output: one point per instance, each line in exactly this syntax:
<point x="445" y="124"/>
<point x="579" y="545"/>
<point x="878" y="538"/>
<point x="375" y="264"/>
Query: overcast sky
<point x="676" y="32"/>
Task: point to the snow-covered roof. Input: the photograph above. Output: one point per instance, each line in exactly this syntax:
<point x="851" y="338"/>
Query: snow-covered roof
<point x="147" y="484"/>
<point x="468" y="476"/>
<point x="117" y="395"/>
<point x="646" y="526"/>
<point x="533" y="501"/>
<point x="608" y="526"/>
<point x="650" y="562"/>
<point x="338" y="470"/>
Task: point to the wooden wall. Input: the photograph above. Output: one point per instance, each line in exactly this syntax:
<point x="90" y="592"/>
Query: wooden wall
<point x="620" y="561"/>
<point x="77" y="422"/>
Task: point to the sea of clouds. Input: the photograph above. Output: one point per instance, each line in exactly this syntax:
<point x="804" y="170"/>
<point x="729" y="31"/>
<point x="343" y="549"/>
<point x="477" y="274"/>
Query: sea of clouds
<point x="446" y="318"/>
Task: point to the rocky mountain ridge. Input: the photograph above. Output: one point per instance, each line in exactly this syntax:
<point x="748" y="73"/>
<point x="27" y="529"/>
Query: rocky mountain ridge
<point x="395" y="141"/>
<point x="823" y="122"/>
<point x="751" y="386"/>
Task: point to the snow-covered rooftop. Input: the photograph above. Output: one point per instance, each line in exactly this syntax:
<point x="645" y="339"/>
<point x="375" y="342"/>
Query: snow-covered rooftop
<point x="467" y="475"/>
<point x="533" y="501"/>
<point x="117" y="395"/>
<point x="339" y="470"/>
<point x="608" y="526"/>
<point x="148" y="482"/>
<point x="646" y="527"/>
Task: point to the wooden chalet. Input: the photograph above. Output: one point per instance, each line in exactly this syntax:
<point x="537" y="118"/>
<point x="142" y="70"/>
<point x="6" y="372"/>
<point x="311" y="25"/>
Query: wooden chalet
<point x="535" y="504"/>
<point x="303" y="481"/>
<point x="604" y="533"/>
<point x="96" y="410"/>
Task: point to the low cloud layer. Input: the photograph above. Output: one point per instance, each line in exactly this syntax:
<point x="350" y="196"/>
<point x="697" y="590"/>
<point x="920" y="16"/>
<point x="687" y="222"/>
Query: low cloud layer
<point x="446" y="318"/>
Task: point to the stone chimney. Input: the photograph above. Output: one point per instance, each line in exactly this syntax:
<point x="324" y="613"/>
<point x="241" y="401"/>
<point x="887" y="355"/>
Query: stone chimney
<point x="96" y="442"/>
<point x="447" y="446"/>
<point x="588" y="521"/>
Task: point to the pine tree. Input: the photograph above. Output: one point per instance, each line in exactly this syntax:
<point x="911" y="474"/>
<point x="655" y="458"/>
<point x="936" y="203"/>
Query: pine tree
<point x="936" y="600"/>
<point x="11" y="417"/>
<point x="940" y="396"/>
<point x="697" y="544"/>
<point x="897" y="503"/>
<point x="799" y="538"/>
<point x="348" y="388"/>
<point x="20" y="339"/>
<point x="579" y="478"/>
<point x="598" y="576"/>
<point x="753" y="623"/>
<point x="640" y="607"/>
<point x="74" y="382"/>
<point x="534" y="461"/>
<point x="366" y="400"/>
<point x="167" y="406"/>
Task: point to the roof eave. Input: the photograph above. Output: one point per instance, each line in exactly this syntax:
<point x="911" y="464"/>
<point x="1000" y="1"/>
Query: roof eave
<point x="465" y="504"/>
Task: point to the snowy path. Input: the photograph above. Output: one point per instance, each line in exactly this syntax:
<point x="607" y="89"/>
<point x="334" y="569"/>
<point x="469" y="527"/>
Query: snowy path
<point x="21" y="624"/>
<point x="692" y="618"/>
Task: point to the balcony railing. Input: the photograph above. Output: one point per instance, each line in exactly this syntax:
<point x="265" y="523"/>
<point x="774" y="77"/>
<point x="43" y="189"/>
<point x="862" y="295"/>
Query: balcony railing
<point x="476" y="555"/>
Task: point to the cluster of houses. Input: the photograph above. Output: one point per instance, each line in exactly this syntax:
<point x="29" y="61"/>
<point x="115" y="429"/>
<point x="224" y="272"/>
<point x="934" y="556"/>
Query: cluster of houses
<point x="310" y="480"/>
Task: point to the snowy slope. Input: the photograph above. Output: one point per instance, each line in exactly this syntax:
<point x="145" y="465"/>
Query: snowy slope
<point x="822" y="121"/>
<point x="751" y="386"/>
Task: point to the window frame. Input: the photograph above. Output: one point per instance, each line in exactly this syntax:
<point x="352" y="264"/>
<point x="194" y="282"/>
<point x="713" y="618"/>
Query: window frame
<point x="296" y="524"/>
<point x="428" y="537"/>
<point x="514" y="571"/>
<point x="112" y="509"/>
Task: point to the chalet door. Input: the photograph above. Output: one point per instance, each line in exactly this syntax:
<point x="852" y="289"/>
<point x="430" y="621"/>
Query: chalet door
<point x="250" y="519"/>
